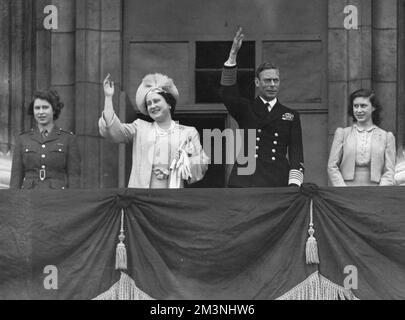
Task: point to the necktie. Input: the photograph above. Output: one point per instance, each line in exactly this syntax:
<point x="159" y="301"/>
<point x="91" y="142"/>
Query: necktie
<point x="268" y="106"/>
<point x="44" y="133"/>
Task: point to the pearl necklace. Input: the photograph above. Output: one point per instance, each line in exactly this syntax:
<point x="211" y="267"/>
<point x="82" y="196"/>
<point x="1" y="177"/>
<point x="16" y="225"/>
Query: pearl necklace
<point x="163" y="132"/>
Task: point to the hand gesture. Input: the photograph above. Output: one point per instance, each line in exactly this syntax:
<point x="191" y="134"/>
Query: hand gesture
<point x="237" y="41"/>
<point x="108" y="86"/>
<point x="189" y="148"/>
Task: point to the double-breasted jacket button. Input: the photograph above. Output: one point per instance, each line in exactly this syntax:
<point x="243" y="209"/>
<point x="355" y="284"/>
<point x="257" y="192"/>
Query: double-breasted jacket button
<point x="257" y="147"/>
<point x="43" y="156"/>
<point x="274" y="158"/>
<point x="276" y="134"/>
<point x="275" y="142"/>
<point x="259" y="130"/>
<point x="274" y="150"/>
<point x="43" y="146"/>
<point x="257" y="139"/>
<point x="256" y="156"/>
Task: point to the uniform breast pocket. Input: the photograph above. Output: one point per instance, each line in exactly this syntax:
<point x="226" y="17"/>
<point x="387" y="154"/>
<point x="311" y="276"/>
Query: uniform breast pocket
<point x="30" y="157"/>
<point x="57" y="156"/>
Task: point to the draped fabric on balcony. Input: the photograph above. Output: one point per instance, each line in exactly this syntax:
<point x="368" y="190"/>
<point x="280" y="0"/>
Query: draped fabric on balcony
<point x="203" y="243"/>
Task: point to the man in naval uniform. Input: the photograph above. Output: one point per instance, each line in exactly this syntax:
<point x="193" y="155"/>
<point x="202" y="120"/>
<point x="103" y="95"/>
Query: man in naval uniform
<point x="279" y="152"/>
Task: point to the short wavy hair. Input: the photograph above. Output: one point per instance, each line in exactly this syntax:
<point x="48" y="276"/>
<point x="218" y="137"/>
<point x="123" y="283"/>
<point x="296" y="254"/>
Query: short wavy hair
<point x="170" y="100"/>
<point x="52" y="97"/>
<point x="366" y="93"/>
<point x="266" y="66"/>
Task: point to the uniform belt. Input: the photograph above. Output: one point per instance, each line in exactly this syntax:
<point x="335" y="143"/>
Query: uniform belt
<point x="42" y="174"/>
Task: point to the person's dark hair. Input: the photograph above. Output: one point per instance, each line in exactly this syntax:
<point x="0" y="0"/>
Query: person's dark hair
<point x="52" y="97"/>
<point x="366" y="93"/>
<point x="266" y="66"/>
<point x="170" y="100"/>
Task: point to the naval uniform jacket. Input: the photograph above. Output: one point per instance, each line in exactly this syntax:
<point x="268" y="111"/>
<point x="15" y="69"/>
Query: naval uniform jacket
<point x="46" y="163"/>
<point x="278" y="144"/>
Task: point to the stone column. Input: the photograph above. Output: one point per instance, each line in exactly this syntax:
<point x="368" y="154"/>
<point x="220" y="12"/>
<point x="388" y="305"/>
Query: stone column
<point x="16" y="68"/>
<point x="349" y="59"/>
<point x="98" y="52"/>
<point x="385" y="64"/>
<point x="5" y="18"/>
<point x="401" y="75"/>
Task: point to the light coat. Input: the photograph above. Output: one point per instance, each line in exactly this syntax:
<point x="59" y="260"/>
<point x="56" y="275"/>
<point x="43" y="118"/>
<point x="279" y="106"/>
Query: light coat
<point x="342" y="158"/>
<point x="143" y="136"/>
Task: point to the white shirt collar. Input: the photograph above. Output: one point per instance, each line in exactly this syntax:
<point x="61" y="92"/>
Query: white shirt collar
<point x="272" y="103"/>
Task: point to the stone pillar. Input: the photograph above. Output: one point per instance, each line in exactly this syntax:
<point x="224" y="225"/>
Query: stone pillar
<point x="385" y="64"/>
<point x="98" y="52"/>
<point x="55" y="57"/>
<point x="5" y="18"/>
<point x="349" y="59"/>
<point x="401" y="75"/>
<point x="16" y="68"/>
<point x="62" y="77"/>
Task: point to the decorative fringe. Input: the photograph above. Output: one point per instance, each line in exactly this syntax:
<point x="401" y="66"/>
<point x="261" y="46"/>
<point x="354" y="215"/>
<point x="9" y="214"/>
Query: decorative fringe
<point x="121" y="251"/>
<point x="311" y="247"/>
<point x="124" y="289"/>
<point x="317" y="287"/>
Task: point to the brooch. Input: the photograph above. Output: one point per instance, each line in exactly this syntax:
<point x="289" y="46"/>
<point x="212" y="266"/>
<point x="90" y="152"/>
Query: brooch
<point x="288" y="116"/>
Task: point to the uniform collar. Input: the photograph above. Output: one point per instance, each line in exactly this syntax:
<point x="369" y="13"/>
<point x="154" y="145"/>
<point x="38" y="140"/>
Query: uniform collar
<point x="272" y="103"/>
<point x="49" y="128"/>
<point x="53" y="135"/>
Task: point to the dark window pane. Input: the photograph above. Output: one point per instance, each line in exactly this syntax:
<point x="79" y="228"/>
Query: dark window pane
<point x="207" y="84"/>
<point x="213" y="54"/>
<point x="246" y="84"/>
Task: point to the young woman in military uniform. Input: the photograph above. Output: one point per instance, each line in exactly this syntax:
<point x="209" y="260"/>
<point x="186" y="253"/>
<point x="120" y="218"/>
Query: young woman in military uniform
<point x="46" y="157"/>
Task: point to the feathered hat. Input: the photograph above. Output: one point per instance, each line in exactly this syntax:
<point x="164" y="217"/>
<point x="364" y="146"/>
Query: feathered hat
<point x="156" y="82"/>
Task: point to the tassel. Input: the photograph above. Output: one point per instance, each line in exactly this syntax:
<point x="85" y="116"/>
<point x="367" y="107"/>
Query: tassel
<point x="317" y="287"/>
<point x="124" y="289"/>
<point x="311" y="247"/>
<point x="121" y="251"/>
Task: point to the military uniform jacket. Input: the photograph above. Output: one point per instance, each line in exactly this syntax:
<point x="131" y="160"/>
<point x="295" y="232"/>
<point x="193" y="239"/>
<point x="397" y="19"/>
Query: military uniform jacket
<point x="278" y="144"/>
<point x="52" y="162"/>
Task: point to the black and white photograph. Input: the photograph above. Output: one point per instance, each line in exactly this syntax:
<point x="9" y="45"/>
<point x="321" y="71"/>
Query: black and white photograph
<point x="215" y="152"/>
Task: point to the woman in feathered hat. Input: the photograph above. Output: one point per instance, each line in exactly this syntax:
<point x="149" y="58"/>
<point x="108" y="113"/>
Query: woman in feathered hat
<point x="164" y="153"/>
